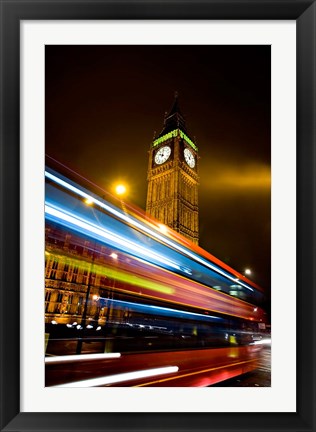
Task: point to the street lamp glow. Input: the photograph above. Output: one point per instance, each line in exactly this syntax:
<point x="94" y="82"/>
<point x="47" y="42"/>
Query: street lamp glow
<point x="88" y="201"/>
<point x="248" y="271"/>
<point x="114" y="255"/>
<point x="120" y="189"/>
<point x="163" y="228"/>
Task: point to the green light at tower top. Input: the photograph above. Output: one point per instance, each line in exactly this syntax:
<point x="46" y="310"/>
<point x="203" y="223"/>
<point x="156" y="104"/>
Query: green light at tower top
<point x="173" y="134"/>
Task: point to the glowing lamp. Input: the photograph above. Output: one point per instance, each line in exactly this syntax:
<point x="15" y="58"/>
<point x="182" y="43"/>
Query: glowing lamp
<point x="120" y="189"/>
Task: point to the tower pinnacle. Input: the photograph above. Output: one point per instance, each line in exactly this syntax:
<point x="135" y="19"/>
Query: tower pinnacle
<point x="174" y="119"/>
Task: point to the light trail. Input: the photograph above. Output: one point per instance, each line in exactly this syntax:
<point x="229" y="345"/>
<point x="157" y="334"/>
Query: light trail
<point x="262" y="342"/>
<point x="143" y="228"/>
<point x="118" y="378"/>
<point x="108" y="235"/>
<point x="116" y="273"/>
<point x="81" y="357"/>
<point x="163" y="310"/>
<point x="184" y="375"/>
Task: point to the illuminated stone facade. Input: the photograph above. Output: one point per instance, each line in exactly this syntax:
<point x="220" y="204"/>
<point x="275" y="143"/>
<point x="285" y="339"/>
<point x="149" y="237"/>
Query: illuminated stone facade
<point x="72" y="279"/>
<point x="172" y="194"/>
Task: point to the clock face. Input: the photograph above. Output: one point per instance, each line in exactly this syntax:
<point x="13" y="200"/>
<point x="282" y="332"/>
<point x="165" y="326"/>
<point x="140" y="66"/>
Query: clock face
<point x="189" y="158"/>
<point x="162" y="155"/>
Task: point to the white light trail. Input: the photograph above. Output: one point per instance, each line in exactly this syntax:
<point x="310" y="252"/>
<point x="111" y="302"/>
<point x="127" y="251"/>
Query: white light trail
<point x="126" y="244"/>
<point x="143" y="228"/>
<point x="118" y="378"/>
<point x="81" y="357"/>
<point x="262" y="342"/>
<point x="164" y="309"/>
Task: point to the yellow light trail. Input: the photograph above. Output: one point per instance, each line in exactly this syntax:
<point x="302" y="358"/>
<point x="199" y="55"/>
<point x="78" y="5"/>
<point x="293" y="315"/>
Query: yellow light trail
<point x="114" y="273"/>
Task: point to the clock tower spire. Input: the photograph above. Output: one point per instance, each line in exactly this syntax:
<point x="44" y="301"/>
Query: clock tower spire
<point x="172" y="194"/>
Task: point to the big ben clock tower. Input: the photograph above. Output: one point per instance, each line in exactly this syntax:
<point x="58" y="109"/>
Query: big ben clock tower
<point x="172" y="194"/>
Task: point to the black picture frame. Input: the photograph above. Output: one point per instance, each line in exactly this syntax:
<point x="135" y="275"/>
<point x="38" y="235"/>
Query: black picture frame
<point x="12" y="12"/>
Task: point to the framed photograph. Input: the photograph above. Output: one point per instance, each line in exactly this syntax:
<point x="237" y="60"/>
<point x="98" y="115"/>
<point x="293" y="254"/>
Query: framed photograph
<point x="117" y="288"/>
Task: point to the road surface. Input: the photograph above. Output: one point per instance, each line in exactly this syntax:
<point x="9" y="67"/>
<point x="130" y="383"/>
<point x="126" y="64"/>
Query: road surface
<point x="261" y="377"/>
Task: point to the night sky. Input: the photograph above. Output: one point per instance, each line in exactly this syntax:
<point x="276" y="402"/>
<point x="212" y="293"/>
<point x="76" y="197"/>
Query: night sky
<point x="105" y="103"/>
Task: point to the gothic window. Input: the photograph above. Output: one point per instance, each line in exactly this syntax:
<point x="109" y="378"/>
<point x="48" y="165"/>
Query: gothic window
<point x="84" y="278"/>
<point x="158" y="191"/>
<point x="58" y="303"/>
<point x="54" y="269"/>
<point x="166" y="193"/>
<point x="65" y="272"/>
<point x="74" y="274"/>
<point x="79" y="306"/>
<point x="92" y="278"/>
<point x="47" y="299"/>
